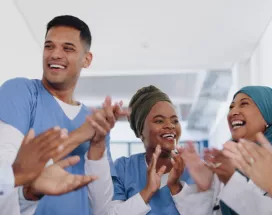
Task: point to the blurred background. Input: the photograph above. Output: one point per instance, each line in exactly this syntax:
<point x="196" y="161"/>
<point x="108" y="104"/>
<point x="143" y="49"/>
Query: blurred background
<point x="199" y="52"/>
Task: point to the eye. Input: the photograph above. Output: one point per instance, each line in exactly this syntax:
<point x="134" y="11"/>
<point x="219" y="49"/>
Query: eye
<point x="176" y="121"/>
<point x="68" y="49"/>
<point x="48" y="46"/>
<point x="244" y="103"/>
<point x="158" y="121"/>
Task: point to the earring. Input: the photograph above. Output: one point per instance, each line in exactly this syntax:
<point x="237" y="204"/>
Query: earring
<point x="267" y="126"/>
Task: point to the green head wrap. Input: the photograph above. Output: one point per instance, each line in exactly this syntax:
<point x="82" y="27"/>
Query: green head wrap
<point x="141" y="104"/>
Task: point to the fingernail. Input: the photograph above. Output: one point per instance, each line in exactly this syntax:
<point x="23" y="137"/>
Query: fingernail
<point x="60" y="148"/>
<point x="56" y="128"/>
<point x="63" y="135"/>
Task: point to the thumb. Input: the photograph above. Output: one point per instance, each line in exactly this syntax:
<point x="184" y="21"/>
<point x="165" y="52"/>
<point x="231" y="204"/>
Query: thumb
<point x="30" y="136"/>
<point x="70" y="161"/>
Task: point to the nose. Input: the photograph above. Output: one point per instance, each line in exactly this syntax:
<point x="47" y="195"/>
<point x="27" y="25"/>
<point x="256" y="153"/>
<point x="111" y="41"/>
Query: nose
<point x="169" y="125"/>
<point x="57" y="53"/>
<point x="233" y="112"/>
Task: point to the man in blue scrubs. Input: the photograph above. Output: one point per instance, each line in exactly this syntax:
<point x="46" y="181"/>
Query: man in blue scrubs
<point x="43" y="104"/>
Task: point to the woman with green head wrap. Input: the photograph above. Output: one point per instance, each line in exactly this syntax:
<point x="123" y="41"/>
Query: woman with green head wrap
<point x="233" y="192"/>
<point x="150" y="182"/>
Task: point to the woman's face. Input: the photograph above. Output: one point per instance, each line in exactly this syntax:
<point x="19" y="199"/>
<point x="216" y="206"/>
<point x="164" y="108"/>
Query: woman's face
<point x="244" y="118"/>
<point x="162" y="128"/>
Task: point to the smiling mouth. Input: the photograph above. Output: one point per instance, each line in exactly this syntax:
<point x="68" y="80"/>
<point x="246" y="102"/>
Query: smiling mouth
<point x="56" y="66"/>
<point x="168" y="136"/>
<point x="237" y="124"/>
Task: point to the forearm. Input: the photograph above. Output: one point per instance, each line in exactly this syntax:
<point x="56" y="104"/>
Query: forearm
<point x="75" y="138"/>
<point x="133" y="206"/>
<point x="97" y="150"/>
<point x="100" y="190"/>
<point x="175" y="188"/>
<point x="146" y="194"/>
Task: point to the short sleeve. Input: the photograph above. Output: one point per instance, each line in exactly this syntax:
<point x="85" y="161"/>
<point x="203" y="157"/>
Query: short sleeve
<point x="16" y="103"/>
<point x="118" y="182"/>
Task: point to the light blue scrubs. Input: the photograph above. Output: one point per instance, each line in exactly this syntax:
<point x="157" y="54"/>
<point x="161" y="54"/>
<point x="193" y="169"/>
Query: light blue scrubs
<point x="27" y="104"/>
<point x="132" y="175"/>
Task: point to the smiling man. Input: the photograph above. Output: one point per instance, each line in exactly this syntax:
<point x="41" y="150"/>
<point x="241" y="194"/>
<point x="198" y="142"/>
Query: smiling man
<point x="43" y="104"/>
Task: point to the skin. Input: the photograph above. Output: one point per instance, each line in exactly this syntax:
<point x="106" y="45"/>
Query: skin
<point x="161" y="119"/>
<point x="243" y="108"/>
<point x="219" y="162"/>
<point x="63" y="46"/>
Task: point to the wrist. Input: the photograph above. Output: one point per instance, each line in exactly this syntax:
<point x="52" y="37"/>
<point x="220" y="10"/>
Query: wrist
<point x="19" y="177"/>
<point x="30" y="194"/>
<point x="96" y="150"/>
<point x="147" y="194"/>
<point x="175" y="188"/>
<point x="84" y="133"/>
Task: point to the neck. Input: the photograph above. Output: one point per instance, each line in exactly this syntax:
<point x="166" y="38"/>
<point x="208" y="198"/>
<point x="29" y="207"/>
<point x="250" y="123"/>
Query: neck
<point x="63" y="94"/>
<point x="163" y="160"/>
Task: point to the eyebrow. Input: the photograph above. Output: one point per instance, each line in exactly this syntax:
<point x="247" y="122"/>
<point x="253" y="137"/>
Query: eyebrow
<point x="173" y="116"/>
<point x="245" y="99"/>
<point x="240" y="100"/>
<point x="66" y="43"/>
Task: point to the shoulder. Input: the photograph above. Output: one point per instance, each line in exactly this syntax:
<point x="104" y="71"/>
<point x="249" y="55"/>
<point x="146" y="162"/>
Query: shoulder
<point x="19" y="86"/>
<point x="124" y="162"/>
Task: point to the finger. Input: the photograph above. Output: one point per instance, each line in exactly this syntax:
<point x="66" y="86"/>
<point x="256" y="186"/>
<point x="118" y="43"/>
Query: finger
<point x="56" y="142"/>
<point x="46" y="136"/>
<point x="242" y="165"/>
<point x="99" y="130"/>
<point x="177" y="160"/>
<point x="264" y="142"/>
<point x="29" y="137"/>
<point x="109" y="111"/>
<point x="155" y="157"/>
<point x="191" y="147"/>
<point x="230" y="154"/>
<point x="245" y="154"/>
<point x="82" y="180"/>
<point x="161" y="170"/>
<point x="252" y="148"/>
<point x="216" y="152"/>
<point x="70" y="161"/>
<point x="100" y="118"/>
<point x="53" y="143"/>
<point x="230" y="146"/>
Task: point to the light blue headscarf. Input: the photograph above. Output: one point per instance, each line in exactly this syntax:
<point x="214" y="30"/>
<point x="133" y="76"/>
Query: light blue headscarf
<point x="262" y="96"/>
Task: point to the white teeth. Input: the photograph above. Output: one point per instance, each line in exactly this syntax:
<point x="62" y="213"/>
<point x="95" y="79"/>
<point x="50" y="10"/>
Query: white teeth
<point x="55" y="66"/>
<point x="168" y="135"/>
<point x="234" y="123"/>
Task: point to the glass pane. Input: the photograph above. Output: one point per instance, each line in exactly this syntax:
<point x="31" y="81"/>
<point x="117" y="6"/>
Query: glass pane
<point x="118" y="150"/>
<point x="137" y="148"/>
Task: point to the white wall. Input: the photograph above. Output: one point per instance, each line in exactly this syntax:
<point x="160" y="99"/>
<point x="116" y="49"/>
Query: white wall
<point x="19" y="54"/>
<point x="257" y="70"/>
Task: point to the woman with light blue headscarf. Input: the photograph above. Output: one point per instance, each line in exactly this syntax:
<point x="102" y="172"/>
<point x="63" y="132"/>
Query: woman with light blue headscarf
<point x="232" y="192"/>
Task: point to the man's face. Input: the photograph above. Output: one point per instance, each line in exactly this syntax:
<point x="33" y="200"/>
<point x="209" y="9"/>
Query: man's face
<point x="64" y="55"/>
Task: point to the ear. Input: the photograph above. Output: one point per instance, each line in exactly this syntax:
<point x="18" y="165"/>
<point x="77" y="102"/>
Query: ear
<point x="88" y="60"/>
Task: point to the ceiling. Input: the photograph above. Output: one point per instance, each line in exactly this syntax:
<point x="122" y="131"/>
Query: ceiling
<point x="186" y="48"/>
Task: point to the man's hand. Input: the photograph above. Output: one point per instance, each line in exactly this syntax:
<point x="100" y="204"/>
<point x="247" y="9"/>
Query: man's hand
<point x="35" y="152"/>
<point x="102" y="121"/>
<point x="54" y="180"/>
